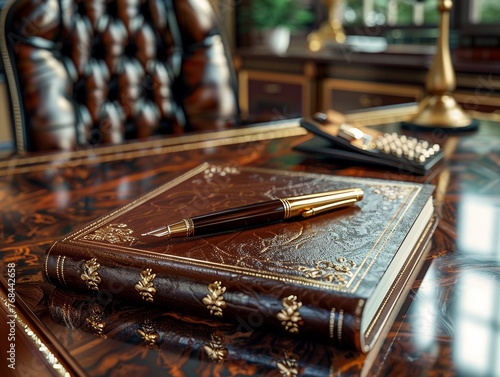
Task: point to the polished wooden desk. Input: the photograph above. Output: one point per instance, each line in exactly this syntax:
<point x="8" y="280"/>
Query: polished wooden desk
<point x="450" y="325"/>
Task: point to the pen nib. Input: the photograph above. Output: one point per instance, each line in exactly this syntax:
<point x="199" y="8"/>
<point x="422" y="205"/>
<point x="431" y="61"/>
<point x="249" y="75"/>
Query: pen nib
<point x="160" y="232"/>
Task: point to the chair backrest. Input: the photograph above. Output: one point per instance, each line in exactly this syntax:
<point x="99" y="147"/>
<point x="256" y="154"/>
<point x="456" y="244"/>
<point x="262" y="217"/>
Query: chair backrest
<point x="84" y="72"/>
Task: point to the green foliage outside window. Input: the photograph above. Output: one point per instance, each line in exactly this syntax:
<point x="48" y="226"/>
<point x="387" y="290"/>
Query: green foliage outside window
<point x="268" y="14"/>
<point x="489" y="12"/>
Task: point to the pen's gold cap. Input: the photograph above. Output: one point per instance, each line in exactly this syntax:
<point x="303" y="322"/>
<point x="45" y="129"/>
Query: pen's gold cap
<point x="309" y="205"/>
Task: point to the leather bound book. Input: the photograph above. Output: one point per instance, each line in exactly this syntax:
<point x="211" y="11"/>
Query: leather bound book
<point x="337" y="277"/>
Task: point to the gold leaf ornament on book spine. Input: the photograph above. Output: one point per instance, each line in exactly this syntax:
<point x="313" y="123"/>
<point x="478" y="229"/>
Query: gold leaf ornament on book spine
<point x="90" y="274"/>
<point x="214" y="300"/>
<point x="145" y="285"/>
<point x="289" y="316"/>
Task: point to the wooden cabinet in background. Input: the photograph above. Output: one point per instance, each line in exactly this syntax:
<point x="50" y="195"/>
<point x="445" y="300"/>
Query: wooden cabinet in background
<point x="271" y="95"/>
<point x="271" y="89"/>
<point x="299" y="82"/>
<point x="349" y="95"/>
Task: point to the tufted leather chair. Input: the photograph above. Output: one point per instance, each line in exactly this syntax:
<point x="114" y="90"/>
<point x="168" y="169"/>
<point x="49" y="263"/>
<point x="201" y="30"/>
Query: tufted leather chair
<point x="83" y="72"/>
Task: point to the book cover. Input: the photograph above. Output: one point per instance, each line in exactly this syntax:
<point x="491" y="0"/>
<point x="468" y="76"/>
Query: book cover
<point x="337" y="277"/>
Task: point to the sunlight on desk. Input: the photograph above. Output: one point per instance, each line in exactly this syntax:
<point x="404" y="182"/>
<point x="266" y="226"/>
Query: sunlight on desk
<point x="478" y="222"/>
<point x="477" y="327"/>
<point x="477" y="295"/>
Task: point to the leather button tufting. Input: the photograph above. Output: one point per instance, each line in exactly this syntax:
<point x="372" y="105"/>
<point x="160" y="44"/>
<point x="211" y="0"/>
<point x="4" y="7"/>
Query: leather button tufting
<point x="92" y="72"/>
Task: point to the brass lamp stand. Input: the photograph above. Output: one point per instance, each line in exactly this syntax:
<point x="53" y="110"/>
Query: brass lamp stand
<point x="331" y="30"/>
<point x="438" y="109"/>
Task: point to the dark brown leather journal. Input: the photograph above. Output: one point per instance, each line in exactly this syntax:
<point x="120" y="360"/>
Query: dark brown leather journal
<point x="337" y="277"/>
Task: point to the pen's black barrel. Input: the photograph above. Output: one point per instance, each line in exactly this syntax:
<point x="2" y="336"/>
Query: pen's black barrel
<point x="239" y="218"/>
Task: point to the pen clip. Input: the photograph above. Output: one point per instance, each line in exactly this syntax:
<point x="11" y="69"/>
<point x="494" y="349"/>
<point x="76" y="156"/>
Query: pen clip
<point x="327" y="207"/>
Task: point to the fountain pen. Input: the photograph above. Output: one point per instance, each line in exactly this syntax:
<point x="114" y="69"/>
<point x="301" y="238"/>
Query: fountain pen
<point x="259" y="214"/>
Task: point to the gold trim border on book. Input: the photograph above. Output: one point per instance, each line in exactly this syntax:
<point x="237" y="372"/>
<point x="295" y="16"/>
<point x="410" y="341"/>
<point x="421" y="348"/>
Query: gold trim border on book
<point x="378" y="247"/>
<point x="409" y="263"/>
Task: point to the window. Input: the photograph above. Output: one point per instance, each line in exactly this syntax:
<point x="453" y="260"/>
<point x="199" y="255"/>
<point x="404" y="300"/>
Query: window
<point x="408" y="22"/>
<point x="484" y="11"/>
<point x="472" y="22"/>
<point x="390" y="13"/>
<point x="414" y="12"/>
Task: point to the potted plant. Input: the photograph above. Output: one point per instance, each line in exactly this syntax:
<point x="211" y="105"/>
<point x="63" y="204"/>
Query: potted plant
<point x="277" y="19"/>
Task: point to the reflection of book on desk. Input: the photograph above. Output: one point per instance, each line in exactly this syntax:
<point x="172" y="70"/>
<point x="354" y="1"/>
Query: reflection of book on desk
<point x="337" y="277"/>
<point x="215" y="347"/>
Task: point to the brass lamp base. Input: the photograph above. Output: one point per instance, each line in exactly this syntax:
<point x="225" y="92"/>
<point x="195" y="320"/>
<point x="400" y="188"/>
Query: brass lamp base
<point x="441" y="111"/>
<point x="331" y="30"/>
<point x="327" y="33"/>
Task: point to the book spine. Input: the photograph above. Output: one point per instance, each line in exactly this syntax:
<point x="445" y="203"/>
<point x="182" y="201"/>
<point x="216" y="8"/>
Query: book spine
<point x="215" y="345"/>
<point x="251" y="301"/>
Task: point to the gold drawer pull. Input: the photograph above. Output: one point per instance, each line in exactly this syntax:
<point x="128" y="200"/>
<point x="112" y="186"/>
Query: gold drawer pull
<point x="272" y="88"/>
<point x="370" y="101"/>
